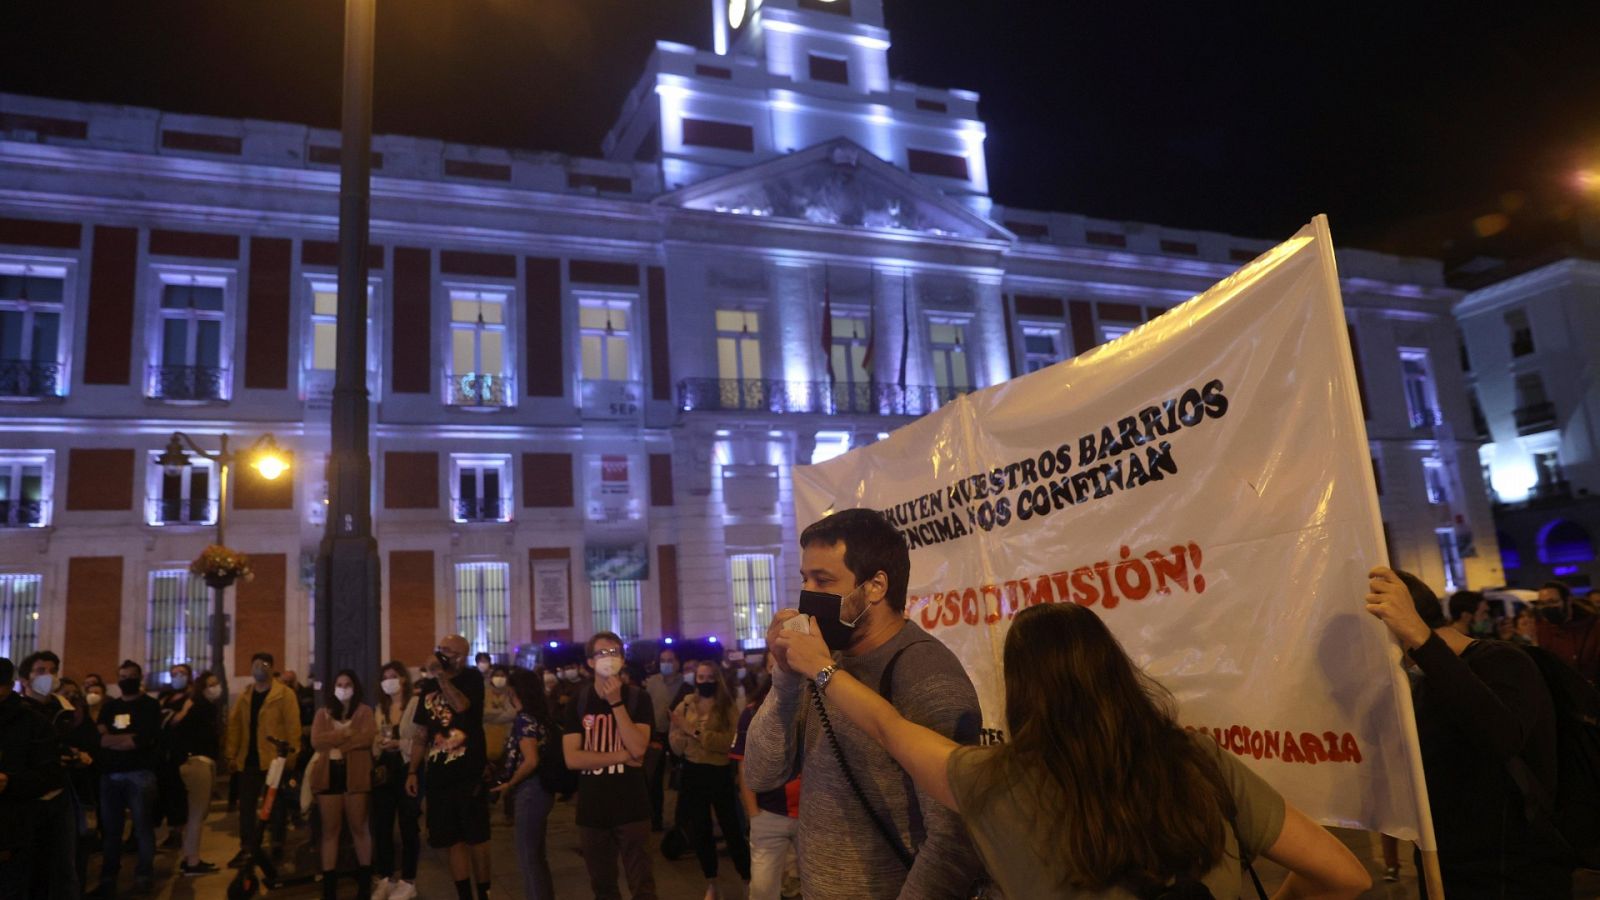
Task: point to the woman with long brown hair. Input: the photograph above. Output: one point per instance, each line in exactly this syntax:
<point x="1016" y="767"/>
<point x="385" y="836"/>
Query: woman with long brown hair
<point x="341" y="776"/>
<point x="703" y="728"/>
<point x="1099" y="791"/>
<point x="396" y="721"/>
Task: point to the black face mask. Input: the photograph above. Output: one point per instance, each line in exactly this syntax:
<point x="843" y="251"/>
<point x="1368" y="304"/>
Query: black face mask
<point x="706" y="689"/>
<point x="1554" y="614"/>
<point x="826" y="609"/>
<point x="129" y="687"/>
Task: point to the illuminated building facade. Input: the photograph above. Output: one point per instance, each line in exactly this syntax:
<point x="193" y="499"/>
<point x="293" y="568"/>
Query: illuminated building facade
<point x="590" y="378"/>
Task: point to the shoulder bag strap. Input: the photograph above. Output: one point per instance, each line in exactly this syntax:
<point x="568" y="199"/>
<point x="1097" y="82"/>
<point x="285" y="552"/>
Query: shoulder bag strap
<point x="889" y="834"/>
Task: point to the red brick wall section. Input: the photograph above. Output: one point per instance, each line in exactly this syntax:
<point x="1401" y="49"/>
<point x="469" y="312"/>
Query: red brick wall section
<point x="546" y="369"/>
<point x="667" y="573"/>
<point x="410" y="480"/>
<point x="472" y="262"/>
<point x="411" y="366"/>
<point x="411" y="604"/>
<point x="1082" y="317"/>
<point x="266" y="353"/>
<point x="660" y="479"/>
<point x="584" y="271"/>
<point x="260" y="611"/>
<point x="34" y="233"/>
<point x="562" y="553"/>
<point x="108" y="340"/>
<point x="326" y="253"/>
<point x="99" y="479"/>
<point x="660" y="340"/>
<point x="94" y="617"/>
<point x="547" y="480"/>
<point x="194" y="243"/>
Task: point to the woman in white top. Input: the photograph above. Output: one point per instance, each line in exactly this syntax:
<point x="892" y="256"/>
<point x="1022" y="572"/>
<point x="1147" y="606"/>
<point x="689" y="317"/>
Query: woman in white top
<point x="396" y="711"/>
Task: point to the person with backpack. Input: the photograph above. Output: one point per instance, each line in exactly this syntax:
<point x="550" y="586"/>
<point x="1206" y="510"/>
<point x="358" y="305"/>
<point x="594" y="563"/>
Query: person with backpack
<point x="702" y="732"/>
<point x="524" y="757"/>
<point x="1485" y="716"/>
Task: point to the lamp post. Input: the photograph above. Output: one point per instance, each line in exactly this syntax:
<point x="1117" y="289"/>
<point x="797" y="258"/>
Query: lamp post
<point x="347" y="560"/>
<point x="269" y="461"/>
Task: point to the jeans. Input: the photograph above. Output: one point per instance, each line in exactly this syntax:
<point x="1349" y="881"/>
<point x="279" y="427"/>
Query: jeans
<point x="704" y="788"/>
<point x="771" y="838"/>
<point x="198" y="774"/>
<point x="532" y="816"/>
<point x="252" y="784"/>
<point x="390" y="803"/>
<point x="134" y="792"/>
<point x="600" y="848"/>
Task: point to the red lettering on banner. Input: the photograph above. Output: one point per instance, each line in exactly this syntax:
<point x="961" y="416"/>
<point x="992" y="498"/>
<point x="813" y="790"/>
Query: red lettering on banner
<point x="1242" y="740"/>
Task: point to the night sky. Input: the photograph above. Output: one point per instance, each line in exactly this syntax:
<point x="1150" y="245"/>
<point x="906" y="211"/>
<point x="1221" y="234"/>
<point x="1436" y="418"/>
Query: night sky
<point x="1404" y="121"/>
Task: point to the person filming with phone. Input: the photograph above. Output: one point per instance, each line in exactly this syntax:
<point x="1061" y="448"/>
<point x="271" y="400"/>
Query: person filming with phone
<point x="865" y="831"/>
<point x="450" y="742"/>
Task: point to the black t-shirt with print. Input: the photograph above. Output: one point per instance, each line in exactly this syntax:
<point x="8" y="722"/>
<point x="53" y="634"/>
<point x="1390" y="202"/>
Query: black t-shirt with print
<point x="614" y="795"/>
<point x="455" y="745"/>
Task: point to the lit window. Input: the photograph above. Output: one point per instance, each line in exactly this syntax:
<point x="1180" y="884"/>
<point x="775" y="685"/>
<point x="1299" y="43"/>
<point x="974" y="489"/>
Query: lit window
<point x="181" y="495"/>
<point x="19" y="614"/>
<point x="755" y="593"/>
<point x="830" y="444"/>
<point x="1435" y="477"/>
<point x="30" y="331"/>
<point x="947" y="341"/>
<point x="606" y="335"/>
<point x="190" y="363"/>
<point x="25" y="489"/>
<point x="1421" y="403"/>
<point x="479" y="373"/>
<point x="1111" y="331"/>
<point x="180" y="622"/>
<point x="482" y="488"/>
<point x="1455" y="573"/>
<point x="483" y="606"/>
<point x="1041" y="347"/>
<point x="618" y="606"/>
<point x="1521" y="331"/>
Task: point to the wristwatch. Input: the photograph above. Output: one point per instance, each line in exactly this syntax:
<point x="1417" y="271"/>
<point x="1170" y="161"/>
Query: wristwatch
<point x="825" y="676"/>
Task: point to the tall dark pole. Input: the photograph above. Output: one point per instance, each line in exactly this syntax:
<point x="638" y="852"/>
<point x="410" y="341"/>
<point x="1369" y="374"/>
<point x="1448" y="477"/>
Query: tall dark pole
<point x="348" y="602"/>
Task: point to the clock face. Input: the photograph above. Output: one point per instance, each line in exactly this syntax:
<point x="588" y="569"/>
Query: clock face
<point x="736" y="12"/>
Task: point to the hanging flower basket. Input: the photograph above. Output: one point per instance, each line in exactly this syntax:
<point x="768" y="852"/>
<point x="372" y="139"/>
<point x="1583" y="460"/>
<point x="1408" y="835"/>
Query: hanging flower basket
<point x="221" y="567"/>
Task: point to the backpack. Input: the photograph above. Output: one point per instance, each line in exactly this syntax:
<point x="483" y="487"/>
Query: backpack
<point x="552" y="771"/>
<point x="1574" y="813"/>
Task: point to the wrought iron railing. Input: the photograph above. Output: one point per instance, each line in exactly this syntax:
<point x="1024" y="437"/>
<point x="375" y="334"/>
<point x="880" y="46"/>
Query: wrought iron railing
<point x="481" y="509"/>
<point x="23" y="513"/>
<point x="178" y="511"/>
<point x="772" y="396"/>
<point x="1535" y="417"/>
<point x="478" y="389"/>
<point x="1427" y="417"/>
<point x="188" y="382"/>
<point x="26" y="378"/>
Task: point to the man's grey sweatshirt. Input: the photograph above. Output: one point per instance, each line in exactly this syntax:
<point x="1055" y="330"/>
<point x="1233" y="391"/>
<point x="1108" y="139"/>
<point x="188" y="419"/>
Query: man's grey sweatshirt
<point x="843" y="856"/>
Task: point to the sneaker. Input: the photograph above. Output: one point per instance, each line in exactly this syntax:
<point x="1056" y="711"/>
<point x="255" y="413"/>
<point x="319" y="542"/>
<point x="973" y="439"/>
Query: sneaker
<point x="381" y="889"/>
<point x="1391" y="873"/>
<point x="200" y="868"/>
<point x="403" y="890"/>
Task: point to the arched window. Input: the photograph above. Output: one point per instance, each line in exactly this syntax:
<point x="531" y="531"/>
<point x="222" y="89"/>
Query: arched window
<point x="1563" y="541"/>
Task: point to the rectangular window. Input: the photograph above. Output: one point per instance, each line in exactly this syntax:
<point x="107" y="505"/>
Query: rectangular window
<point x="1521" y="332"/>
<point x="1041" y="347"/>
<point x="1421" y="402"/>
<point x="182" y="495"/>
<point x="830" y="69"/>
<point x="190" y="366"/>
<point x="606" y="337"/>
<point x="618" y="607"/>
<point x="482" y="488"/>
<point x="739" y="357"/>
<point x="1110" y="331"/>
<point x="852" y="377"/>
<point x="720" y="135"/>
<point x="932" y="162"/>
<point x="19" y="615"/>
<point x="1455" y="573"/>
<point x="1105" y="239"/>
<point x="30" y="332"/>
<point x="483" y="606"/>
<point x="1434" y="476"/>
<point x="947" y="341"/>
<point x="180" y="622"/>
<point x="325" y="324"/>
<point x="25" y="490"/>
<point x="755" y="593"/>
<point x="479" y="371"/>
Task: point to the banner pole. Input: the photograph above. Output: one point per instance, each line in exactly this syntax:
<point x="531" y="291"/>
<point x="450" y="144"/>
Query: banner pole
<point x="1402" y="692"/>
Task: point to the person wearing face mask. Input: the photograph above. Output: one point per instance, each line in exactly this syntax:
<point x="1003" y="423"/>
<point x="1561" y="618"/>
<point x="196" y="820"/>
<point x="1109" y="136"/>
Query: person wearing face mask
<point x="397" y="729"/>
<point x="662" y="686"/>
<point x="774" y="816"/>
<point x="450" y="742"/>
<point x="703" y="728"/>
<point x="859" y="557"/>
<point x="172" y="799"/>
<point x="55" y="819"/>
<point x="498" y="714"/>
<point x="191" y="741"/>
<point x="342" y="734"/>
<point x="130" y="736"/>
<point x="30" y="767"/>
<point x="1567" y="627"/>
<point x="485" y="664"/>
<point x="607" y="733"/>
<point x="522" y="783"/>
<point x="268" y="711"/>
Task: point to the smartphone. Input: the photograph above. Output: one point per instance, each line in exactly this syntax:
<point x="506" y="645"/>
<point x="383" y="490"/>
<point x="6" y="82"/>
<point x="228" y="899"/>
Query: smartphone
<point x="824" y="607"/>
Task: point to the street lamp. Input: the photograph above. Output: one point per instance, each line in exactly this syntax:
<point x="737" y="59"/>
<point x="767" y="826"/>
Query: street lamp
<point x="270" y="461"/>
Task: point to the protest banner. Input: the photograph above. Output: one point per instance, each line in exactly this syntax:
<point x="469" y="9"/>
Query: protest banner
<point x="1204" y="483"/>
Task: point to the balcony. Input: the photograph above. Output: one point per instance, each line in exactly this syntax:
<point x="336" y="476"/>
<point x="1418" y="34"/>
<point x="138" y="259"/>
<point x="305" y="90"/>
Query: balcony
<point x="178" y="511"/>
<point x="479" y="390"/>
<point x="24" y="513"/>
<point x="24" y="378"/>
<point x="1535" y="417"/>
<point x="769" y="396"/>
<point x="1426" y="418"/>
<point x="188" y="384"/>
<point x="616" y="401"/>
<point x="482" y="509"/>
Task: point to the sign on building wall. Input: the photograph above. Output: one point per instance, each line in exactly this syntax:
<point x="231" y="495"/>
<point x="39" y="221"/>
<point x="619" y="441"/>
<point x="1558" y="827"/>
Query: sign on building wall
<point x="552" y="606"/>
<point x="615" y="485"/>
<point x="617" y="562"/>
<point x="1204" y="485"/>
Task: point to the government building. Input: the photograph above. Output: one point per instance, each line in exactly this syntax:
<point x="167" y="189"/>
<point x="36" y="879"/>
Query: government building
<point x="590" y="378"/>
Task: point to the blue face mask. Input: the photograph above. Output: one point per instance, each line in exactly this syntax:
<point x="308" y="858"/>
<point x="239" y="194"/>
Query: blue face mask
<point x="668" y="668"/>
<point x="179" y="682"/>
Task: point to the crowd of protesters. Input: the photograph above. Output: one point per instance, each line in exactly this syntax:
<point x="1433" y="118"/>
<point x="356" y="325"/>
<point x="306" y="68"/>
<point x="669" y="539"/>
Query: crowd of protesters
<point x="842" y="760"/>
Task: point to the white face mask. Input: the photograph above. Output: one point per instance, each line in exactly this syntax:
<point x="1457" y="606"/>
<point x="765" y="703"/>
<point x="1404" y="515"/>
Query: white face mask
<point x="499" y="682"/>
<point x="344" y="694"/>
<point x="688" y="677"/>
<point x="572" y="676"/>
<point x="550" y="681"/>
<point x="484" y="668"/>
<point x="94" y="699"/>
<point x="608" y="666"/>
<point x="391" y="686"/>
<point x="214" y="692"/>
<point x="43" y="684"/>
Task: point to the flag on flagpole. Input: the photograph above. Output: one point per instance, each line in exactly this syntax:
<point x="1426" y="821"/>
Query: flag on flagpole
<point x="905" y="325"/>
<point x="827" y="325"/>
<point x="872" y="330"/>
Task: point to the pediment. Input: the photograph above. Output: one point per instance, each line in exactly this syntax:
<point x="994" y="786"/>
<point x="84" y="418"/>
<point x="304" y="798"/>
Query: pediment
<point x="836" y="183"/>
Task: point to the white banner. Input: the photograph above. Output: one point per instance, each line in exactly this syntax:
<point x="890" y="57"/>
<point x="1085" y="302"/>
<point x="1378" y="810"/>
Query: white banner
<point x="552" y="610"/>
<point x="1204" y="483"/>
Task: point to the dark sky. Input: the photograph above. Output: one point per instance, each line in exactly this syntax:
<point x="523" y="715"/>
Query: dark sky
<point x="1404" y="121"/>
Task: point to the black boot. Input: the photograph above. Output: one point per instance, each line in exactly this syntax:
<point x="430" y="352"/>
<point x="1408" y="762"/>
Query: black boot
<point x="330" y="885"/>
<point x="364" y="883"/>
